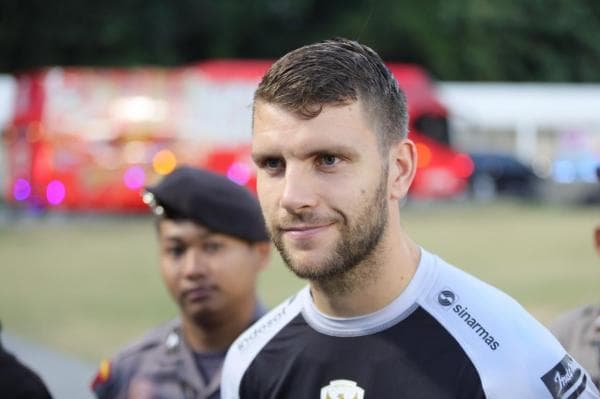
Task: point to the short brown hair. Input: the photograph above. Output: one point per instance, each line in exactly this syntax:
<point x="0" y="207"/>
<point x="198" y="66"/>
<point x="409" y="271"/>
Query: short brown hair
<point x="337" y="72"/>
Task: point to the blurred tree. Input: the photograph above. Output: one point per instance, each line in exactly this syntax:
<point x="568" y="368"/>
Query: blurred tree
<point x="548" y="40"/>
<point x="518" y="40"/>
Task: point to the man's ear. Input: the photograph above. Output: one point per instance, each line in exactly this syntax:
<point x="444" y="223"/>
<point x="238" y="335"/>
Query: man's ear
<point x="597" y="239"/>
<point x="403" y="165"/>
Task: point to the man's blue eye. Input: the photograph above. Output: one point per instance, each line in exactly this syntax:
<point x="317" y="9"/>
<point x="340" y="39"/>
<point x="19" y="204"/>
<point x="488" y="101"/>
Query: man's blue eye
<point x="329" y="159"/>
<point x="272" y="163"/>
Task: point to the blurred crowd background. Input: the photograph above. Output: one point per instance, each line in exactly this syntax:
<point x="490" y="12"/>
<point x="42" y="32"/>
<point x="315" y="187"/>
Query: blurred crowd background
<point x="99" y="99"/>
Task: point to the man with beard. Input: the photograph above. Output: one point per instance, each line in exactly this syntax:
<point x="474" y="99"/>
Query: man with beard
<point x="381" y="317"/>
<point x="213" y="243"/>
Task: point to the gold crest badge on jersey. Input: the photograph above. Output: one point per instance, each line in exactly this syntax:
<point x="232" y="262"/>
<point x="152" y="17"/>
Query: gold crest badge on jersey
<point x="342" y="389"/>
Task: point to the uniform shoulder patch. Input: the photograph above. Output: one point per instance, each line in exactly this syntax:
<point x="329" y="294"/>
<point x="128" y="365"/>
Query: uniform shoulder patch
<point x="102" y="376"/>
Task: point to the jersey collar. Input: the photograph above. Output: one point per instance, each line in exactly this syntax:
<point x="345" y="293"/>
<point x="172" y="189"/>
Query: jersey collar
<point x="396" y="311"/>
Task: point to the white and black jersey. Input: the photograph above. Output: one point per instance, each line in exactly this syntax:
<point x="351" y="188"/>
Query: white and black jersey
<point x="448" y="335"/>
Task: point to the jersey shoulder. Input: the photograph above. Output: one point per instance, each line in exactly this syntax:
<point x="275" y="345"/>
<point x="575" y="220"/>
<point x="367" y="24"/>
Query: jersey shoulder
<point x="514" y="354"/>
<point x="249" y="344"/>
<point x="473" y="310"/>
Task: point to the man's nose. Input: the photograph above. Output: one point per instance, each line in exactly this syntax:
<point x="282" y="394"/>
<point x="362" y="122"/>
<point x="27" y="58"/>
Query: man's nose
<point x="196" y="265"/>
<point x="299" y="190"/>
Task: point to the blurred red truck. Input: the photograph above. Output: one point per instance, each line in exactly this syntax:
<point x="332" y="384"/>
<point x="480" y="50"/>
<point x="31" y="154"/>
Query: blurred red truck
<point x="90" y="139"/>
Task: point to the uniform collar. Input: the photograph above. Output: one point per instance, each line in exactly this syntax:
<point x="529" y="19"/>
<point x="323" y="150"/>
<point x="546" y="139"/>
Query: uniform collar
<point x="178" y="357"/>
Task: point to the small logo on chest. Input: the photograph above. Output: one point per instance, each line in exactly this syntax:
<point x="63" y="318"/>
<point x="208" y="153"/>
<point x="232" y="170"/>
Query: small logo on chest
<point x="342" y="389"/>
<point x="446" y="297"/>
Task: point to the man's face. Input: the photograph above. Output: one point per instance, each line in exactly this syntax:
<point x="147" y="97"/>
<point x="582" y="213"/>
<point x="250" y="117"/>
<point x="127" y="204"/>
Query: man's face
<point x="209" y="275"/>
<point x="322" y="185"/>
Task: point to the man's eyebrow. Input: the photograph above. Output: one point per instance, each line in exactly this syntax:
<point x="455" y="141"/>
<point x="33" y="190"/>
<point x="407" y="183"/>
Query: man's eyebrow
<point x="340" y="150"/>
<point x="259" y="156"/>
<point x="172" y="237"/>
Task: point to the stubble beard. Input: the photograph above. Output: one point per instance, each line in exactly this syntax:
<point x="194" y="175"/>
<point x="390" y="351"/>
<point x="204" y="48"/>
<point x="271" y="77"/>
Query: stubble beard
<point x="339" y="272"/>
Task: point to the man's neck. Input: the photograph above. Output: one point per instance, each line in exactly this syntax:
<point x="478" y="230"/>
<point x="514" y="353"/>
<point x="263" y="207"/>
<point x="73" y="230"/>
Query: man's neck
<point x="219" y="334"/>
<point x="371" y="285"/>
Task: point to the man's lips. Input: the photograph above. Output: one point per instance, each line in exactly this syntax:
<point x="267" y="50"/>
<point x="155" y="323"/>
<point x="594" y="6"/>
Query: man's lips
<point x="198" y="293"/>
<point x="304" y="231"/>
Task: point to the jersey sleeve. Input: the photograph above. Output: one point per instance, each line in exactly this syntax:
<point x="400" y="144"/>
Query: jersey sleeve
<point x="568" y="380"/>
<point x="248" y="345"/>
<point x="514" y="354"/>
<point x="229" y="383"/>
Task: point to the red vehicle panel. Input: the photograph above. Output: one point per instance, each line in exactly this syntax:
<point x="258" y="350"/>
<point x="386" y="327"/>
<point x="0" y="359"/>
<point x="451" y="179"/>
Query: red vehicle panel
<point x="90" y="139"/>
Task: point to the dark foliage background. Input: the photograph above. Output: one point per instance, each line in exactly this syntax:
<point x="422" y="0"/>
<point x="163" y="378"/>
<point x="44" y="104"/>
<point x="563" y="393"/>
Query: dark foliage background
<point x="516" y="40"/>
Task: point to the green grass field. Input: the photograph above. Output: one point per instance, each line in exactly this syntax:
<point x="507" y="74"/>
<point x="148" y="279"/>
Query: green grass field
<point x="89" y="285"/>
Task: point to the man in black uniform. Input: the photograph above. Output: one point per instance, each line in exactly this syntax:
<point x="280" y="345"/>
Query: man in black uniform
<point x="213" y="243"/>
<point x="18" y="381"/>
<point x="381" y="316"/>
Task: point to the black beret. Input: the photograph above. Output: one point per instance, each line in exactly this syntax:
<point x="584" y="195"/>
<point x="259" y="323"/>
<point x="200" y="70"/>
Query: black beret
<point x="210" y="200"/>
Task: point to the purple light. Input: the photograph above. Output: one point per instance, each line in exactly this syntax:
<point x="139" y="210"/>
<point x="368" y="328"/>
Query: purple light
<point x="21" y="189"/>
<point x="239" y="172"/>
<point x="55" y="192"/>
<point x="134" y="177"/>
